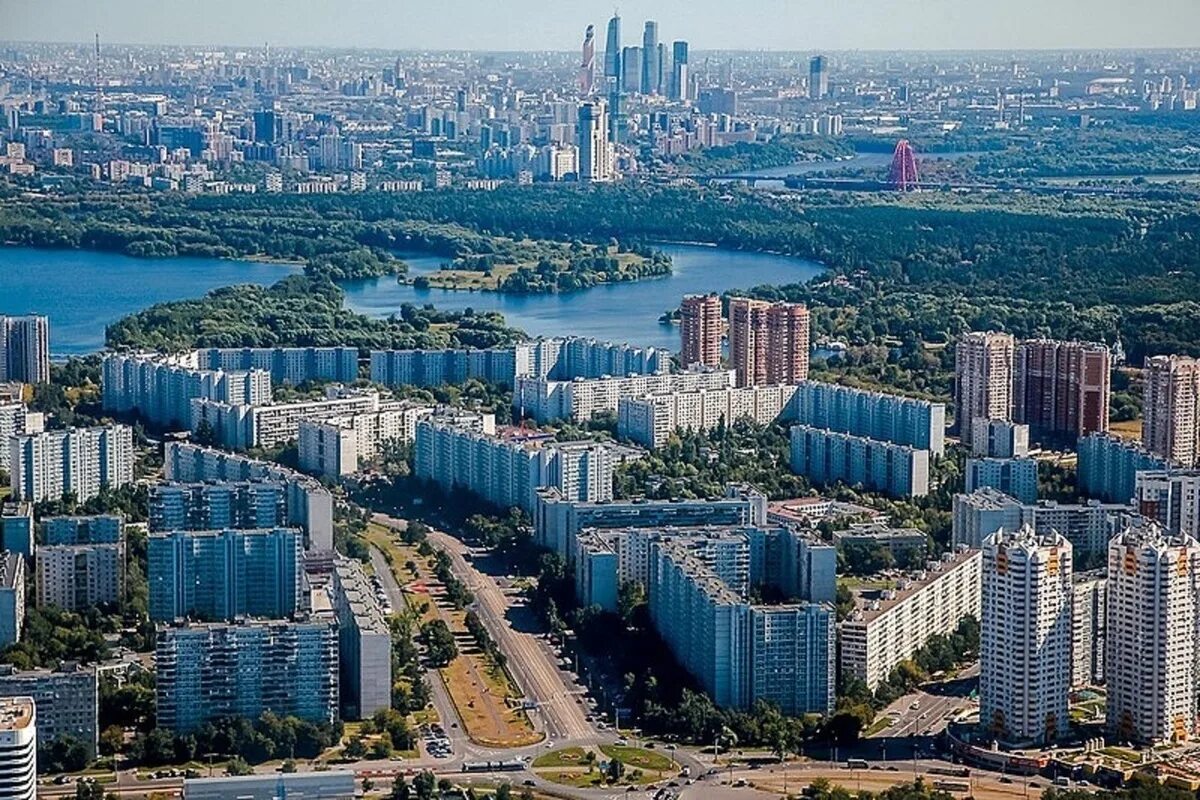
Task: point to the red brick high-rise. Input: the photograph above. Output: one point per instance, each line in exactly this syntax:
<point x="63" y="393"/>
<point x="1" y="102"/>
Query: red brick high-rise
<point x="1062" y="387"/>
<point x="768" y="342"/>
<point x="700" y="329"/>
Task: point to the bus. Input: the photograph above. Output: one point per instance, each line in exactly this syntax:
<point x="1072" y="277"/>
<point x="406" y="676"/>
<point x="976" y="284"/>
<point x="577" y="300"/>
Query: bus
<point x="952" y="786"/>
<point x="857" y="763"/>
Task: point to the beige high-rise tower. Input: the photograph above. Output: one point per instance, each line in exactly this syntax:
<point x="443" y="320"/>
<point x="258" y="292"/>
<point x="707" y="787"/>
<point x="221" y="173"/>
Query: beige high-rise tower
<point x="983" y="379"/>
<point x="1171" y="406"/>
<point x="1150" y="645"/>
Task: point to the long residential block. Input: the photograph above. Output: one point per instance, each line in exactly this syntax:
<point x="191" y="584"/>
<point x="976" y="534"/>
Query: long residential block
<point x="240" y="427"/>
<point x="1108" y="466"/>
<point x="507" y="469"/>
<point x="825" y="456"/>
<point x="309" y="504"/>
<point x="888" y="629"/>
<point x="365" y="642"/>
<point x="340" y="446"/>
<point x="294" y="365"/>
<point x="161" y="388"/>
<point x="77" y="461"/>
<point x="557" y="359"/>
<point x="206" y="672"/>
<point x="884" y="417"/>
<point x="651" y="420"/>
<point x="579" y="400"/>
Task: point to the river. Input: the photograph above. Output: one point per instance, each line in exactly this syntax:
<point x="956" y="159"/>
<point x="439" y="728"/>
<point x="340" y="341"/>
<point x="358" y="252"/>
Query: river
<point x="82" y="292"/>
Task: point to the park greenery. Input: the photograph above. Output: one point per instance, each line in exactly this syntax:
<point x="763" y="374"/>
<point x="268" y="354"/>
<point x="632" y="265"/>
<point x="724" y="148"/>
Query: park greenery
<point x="743" y="156"/>
<point x="299" y="311"/>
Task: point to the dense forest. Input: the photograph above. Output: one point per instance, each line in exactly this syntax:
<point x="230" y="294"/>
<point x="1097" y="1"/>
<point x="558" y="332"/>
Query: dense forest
<point x="925" y="267"/>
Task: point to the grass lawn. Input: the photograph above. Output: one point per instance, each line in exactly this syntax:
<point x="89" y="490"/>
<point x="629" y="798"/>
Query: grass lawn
<point x="638" y="757"/>
<point x="567" y="757"/>
<point x="1129" y="429"/>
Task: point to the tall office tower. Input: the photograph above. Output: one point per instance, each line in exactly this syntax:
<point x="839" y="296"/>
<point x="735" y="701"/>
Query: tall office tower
<point x="651" y="68"/>
<point x="18" y="748"/>
<point x="768" y="342"/>
<point x="25" y="349"/>
<point x="818" y="78"/>
<point x="983" y="372"/>
<point x="1025" y="636"/>
<point x="595" y="148"/>
<point x="1062" y="388"/>
<point x="1171" y="403"/>
<point x="700" y="329"/>
<point x="587" y="64"/>
<point x="631" y="69"/>
<point x="612" y="53"/>
<point x="679" y="71"/>
<point x="664" y="69"/>
<point x="1150" y="645"/>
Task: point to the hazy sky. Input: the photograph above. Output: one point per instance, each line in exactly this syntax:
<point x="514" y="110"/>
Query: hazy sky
<point x="558" y="24"/>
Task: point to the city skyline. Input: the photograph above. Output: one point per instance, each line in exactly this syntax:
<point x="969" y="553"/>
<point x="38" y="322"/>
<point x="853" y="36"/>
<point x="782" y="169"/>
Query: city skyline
<point x="776" y="25"/>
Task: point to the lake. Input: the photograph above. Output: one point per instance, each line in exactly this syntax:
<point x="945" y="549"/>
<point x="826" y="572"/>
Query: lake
<point x="82" y="292"/>
<point x="622" y="312"/>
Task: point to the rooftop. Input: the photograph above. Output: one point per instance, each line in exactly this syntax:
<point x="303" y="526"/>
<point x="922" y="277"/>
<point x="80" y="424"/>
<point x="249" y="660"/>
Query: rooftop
<point x="16" y="713"/>
<point x="910" y="585"/>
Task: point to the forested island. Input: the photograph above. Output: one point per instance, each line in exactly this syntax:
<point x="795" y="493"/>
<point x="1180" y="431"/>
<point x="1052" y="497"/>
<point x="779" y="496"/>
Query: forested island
<point x="300" y="311"/>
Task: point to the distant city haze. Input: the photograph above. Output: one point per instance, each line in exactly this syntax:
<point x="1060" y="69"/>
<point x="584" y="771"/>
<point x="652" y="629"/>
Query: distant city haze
<point x="559" y="24"/>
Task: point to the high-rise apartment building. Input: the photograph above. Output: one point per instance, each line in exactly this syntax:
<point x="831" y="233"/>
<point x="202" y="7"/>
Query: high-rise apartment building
<point x="25" y="349"/>
<point x="294" y="365"/>
<point x="983" y="380"/>
<point x="80" y="576"/>
<point x="67" y="700"/>
<point x="1108" y="466"/>
<point x="740" y="652"/>
<point x="1171" y="409"/>
<point x="364" y="642"/>
<point x="595" y="144"/>
<point x="768" y="342"/>
<point x="76" y="461"/>
<point x="875" y="415"/>
<point x="507" y="469"/>
<point x="221" y="575"/>
<point x="580" y="400"/>
<point x="18" y="748"/>
<point x="1150" y="647"/>
<point x="309" y="504"/>
<point x="12" y="598"/>
<point x="1062" y="388"/>
<point x="651" y="66"/>
<point x="651" y="420"/>
<point x="99" y="529"/>
<point x="15" y="420"/>
<point x="16" y="528"/>
<point x="1170" y="497"/>
<point x="205" y="672"/>
<point x="700" y="328"/>
<point x="161" y="388"/>
<point x="1013" y="476"/>
<point x="1025" y="636"/>
<point x="825" y="456"/>
<point x="229" y="505"/>
<point x="1088" y="628"/>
